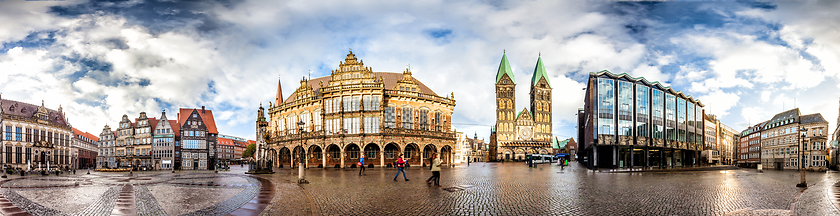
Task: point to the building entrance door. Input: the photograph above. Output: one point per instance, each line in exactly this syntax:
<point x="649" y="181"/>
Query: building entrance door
<point x="195" y="165"/>
<point x="778" y="165"/>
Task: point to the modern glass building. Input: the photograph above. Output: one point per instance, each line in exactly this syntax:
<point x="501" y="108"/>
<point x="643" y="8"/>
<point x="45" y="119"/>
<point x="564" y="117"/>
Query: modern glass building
<point x="631" y="122"/>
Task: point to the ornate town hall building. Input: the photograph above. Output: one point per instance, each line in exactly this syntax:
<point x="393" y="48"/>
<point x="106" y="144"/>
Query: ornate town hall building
<point x="527" y="131"/>
<point x="34" y="136"/>
<point x="332" y="120"/>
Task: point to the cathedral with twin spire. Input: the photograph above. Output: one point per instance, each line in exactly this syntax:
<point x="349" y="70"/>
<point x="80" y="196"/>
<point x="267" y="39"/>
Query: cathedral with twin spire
<point x="526" y="131"/>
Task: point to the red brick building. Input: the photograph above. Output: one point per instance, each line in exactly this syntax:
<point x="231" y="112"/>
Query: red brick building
<point x="84" y="149"/>
<point x="225" y="150"/>
<point x="749" y="146"/>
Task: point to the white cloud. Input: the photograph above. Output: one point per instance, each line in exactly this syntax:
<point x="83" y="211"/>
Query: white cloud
<point x="259" y="41"/>
<point x="719" y="103"/>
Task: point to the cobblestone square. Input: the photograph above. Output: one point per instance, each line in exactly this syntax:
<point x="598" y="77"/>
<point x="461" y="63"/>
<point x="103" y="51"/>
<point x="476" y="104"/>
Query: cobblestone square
<point x="480" y="189"/>
<point x="515" y="189"/>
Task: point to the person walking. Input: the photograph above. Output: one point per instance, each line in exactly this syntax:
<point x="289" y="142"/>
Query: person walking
<point x="435" y="171"/>
<point x="400" y="168"/>
<point x="362" y="165"/>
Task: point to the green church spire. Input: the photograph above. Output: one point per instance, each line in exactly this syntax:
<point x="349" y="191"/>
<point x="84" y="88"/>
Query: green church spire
<point x="539" y="71"/>
<point x="504" y="68"/>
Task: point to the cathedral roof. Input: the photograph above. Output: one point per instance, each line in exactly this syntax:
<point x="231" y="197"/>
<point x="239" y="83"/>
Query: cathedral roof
<point x="526" y="112"/>
<point x="539" y="71"/>
<point x="504" y="68"/>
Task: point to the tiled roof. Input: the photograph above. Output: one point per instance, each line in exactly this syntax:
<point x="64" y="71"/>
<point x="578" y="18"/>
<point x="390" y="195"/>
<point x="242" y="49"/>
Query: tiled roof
<point x="812" y="118"/>
<point x="85" y="134"/>
<point x="251" y="142"/>
<point x="153" y="122"/>
<point x="225" y="141"/>
<point x="207" y="117"/>
<point x="175" y="127"/>
<point x="28" y="110"/>
<point x="389" y="78"/>
<point x="790" y="114"/>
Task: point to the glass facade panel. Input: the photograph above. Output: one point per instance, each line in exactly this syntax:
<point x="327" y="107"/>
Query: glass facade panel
<point x="698" y="113"/>
<point x="625" y="108"/>
<point x="670" y="117"/>
<point x="681" y="119"/>
<point x="642" y="111"/>
<point x="658" y="113"/>
<point x="691" y="121"/>
<point x="605" y="107"/>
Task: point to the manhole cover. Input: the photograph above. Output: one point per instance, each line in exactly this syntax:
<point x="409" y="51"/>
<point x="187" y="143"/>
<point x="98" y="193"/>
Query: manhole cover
<point x="453" y="189"/>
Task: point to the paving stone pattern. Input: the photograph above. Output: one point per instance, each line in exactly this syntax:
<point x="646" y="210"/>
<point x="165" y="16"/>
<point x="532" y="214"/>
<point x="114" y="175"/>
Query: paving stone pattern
<point x="129" y="194"/>
<point x="104" y="205"/>
<point x="146" y="203"/>
<point x="515" y="189"/>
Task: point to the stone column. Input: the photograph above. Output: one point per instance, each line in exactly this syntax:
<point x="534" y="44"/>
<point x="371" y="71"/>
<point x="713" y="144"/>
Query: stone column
<point x="614" y="156"/>
<point x="632" y="153"/>
<point x="323" y="158"/>
<point x="342" y="157"/>
<point x="594" y="159"/>
<point x="421" y="156"/>
<point x="382" y="158"/>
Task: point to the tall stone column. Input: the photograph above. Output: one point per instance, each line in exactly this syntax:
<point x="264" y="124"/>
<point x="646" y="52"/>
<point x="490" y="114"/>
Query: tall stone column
<point x="342" y="157"/>
<point x="632" y="153"/>
<point x="324" y="158"/>
<point x="382" y="158"/>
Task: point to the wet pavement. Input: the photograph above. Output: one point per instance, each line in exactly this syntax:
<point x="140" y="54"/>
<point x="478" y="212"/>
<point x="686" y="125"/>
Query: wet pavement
<point x="142" y="193"/>
<point x="515" y="189"/>
<point x="480" y="189"/>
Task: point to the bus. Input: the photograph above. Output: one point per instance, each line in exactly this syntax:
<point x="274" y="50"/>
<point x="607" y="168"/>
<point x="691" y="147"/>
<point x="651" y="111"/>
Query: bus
<point x="541" y="158"/>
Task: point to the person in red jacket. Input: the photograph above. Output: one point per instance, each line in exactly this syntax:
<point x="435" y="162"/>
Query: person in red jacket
<point x="400" y="168"/>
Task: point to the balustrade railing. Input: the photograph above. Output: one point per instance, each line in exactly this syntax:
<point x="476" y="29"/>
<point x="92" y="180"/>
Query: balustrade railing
<point x="286" y="136"/>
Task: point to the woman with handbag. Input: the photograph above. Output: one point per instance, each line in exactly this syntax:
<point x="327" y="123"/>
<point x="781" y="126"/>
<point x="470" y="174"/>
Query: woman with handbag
<point x="435" y="171"/>
<point x="361" y="165"/>
<point x="400" y="168"/>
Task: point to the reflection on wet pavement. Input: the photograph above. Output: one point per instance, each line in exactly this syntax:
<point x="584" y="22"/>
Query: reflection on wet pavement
<point x="143" y="193"/>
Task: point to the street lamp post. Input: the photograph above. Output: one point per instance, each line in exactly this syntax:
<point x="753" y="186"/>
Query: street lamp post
<point x="803" y="132"/>
<point x="301" y="179"/>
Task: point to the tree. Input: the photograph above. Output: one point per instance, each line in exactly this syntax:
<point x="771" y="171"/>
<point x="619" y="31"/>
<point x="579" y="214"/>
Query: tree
<point x="249" y="151"/>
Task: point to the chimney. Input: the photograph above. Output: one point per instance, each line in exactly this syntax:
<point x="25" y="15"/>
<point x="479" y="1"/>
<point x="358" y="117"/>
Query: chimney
<point x="202" y="109"/>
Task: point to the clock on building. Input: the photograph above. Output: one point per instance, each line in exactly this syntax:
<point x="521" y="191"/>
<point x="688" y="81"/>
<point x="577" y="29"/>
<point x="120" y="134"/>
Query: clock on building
<point x="525" y="133"/>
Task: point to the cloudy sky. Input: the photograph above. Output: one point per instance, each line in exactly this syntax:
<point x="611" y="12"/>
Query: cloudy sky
<point x="99" y="60"/>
